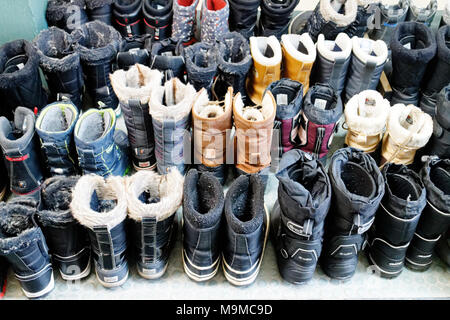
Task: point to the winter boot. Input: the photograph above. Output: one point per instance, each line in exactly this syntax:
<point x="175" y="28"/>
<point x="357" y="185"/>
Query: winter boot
<point x="153" y="200"/>
<point x="322" y="109"/>
<point x="158" y="17"/>
<point x="365" y="16"/>
<point x="367" y="63"/>
<point x="275" y="17"/>
<point x="211" y="121"/>
<point x="331" y="17"/>
<point x="3" y="276"/>
<point x="365" y="115"/>
<point x="289" y="95"/>
<point x="100" y="10"/>
<point x="243" y="14"/>
<point x="397" y="218"/>
<point x="408" y="129"/>
<point x="20" y="81"/>
<point x="304" y="197"/>
<point x="421" y="14"/>
<point x="299" y="54"/>
<point x="234" y="62"/>
<point x="99" y="145"/>
<point x="133" y="50"/>
<point x="60" y="64"/>
<point x="413" y="46"/>
<point x="167" y="56"/>
<point x="435" y="218"/>
<point x="440" y="140"/>
<point x="133" y="88"/>
<point x="55" y="126"/>
<point x="214" y="20"/>
<point x="442" y="248"/>
<point x="201" y="65"/>
<point x="266" y="54"/>
<point x="184" y="20"/>
<point x="254" y="129"/>
<point x="67" y="239"/>
<point x="203" y="204"/>
<point x="358" y="187"/>
<point x="23" y="244"/>
<point x="97" y="45"/>
<point x="438" y="72"/>
<point x="390" y="17"/>
<point x="245" y="231"/>
<point x="101" y="207"/>
<point x="127" y="17"/>
<point x="21" y="152"/>
<point x="333" y="60"/>
<point x="170" y="108"/>
<point x="66" y="14"/>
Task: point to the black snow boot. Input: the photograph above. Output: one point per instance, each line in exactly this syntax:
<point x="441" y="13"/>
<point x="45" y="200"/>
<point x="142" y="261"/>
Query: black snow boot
<point x="435" y="218"/>
<point x="396" y="219"/>
<point x="234" y="62"/>
<point x="413" y="46"/>
<point x="97" y="44"/>
<point x="127" y="17"/>
<point x="275" y="17"/>
<point x="203" y="203"/>
<point x="20" y="81"/>
<point x="442" y="248"/>
<point x="438" y="72"/>
<point x="66" y="14"/>
<point x="439" y="144"/>
<point x="23" y="244"/>
<point x="158" y="16"/>
<point x="201" y="65"/>
<point x="60" y="64"/>
<point x="133" y="50"/>
<point x="67" y="239"/>
<point x="304" y="197"/>
<point x="367" y="9"/>
<point x="358" y="187"/>
<point x="100" y="10"/>
<point x="243" y="14"/>
<point x="167" y="56"/>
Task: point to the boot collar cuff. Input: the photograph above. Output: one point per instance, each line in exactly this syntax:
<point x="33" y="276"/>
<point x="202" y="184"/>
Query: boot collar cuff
<point x="56" y="9"/>
<point x="23" y="119"/>
<point x="264" y="116"/>
<point x="436" y="196"/>
<point x="322" y="116"/>
<point x="93" y="4"/>
<point x="70" y="126"/>
<point x="167" y="189"/>
<point x="290" y="43"/>
<point x="210" y="53"/>
<point x="326" y="47"/>
<point x="201" y="108"/>
<point x="341" y="20"/>
<point x="378" y="48"/>
<point x="227" y="50"/>
<point x="113" y="188"/>
<point x="258" y="45"/>
<point x="443" y="37"/>
<point x="20" y="241"/>
<point x="443" y="107"/>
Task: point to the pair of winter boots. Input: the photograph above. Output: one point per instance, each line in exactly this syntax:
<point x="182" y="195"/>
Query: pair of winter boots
<point x="230" y="230"/>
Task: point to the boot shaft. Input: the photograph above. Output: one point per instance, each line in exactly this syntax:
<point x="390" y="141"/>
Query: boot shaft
<point x="66" y="14"/>
<point x="127" y="17"/>
<point x="184" y="20"/>
<point x="158" y="17"/>
<point x="214" y="20"/>
<point x="167" y="56"/>
<point x="440" y="140"/>
<point x="133" y="50"/>
<point x="201" y="65"/>
<point x="243" y="15"/>
<point x="100" y="10"/>
<point x="55" y="126"/>
<point x="275" y="17"/>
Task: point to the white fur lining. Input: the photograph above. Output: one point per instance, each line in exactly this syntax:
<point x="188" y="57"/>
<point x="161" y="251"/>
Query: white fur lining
<point x="168" y="188"/>
<point x="398" y="127"/>
<point x="379" y="48"/>
<point x="258" y="45"/>
<point x="325" y="47"/>
<point x="203" y="109"/>
<point x="290" y="43"/>
<point x="135" y="83"/>
<point x="178" y="96"/>
<point x="329" y="11"/>
<point x="250" y="113"/>
<point x="113" y="188"/>
<point x="366" y="119"/>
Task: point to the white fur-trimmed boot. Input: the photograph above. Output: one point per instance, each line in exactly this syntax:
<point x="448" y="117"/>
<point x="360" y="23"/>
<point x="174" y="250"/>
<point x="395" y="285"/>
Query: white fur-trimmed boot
<point x="153" y="200"/>
<point x="365" y="115"/>
<point x="408" y="129"/>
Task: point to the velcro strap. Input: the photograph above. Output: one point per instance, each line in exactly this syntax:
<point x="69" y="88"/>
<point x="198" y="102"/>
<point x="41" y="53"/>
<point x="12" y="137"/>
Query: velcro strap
<point x="148" y="239"/>
<point x="105" y="247"/>
<point x="305" y="230"/>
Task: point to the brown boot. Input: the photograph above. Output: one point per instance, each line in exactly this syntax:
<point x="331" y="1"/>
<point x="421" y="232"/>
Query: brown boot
<point x="299" y="54"/>
<point x="211" y="120"/>
<point x="266" y="53"/>
<point x="254" y="127"/>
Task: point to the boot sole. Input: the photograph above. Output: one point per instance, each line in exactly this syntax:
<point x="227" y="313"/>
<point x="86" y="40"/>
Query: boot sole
<point x="153" y="276"/>
<point x="43" y="292"/>
<point x="152" y="167"/>
<point x="112" y="284"/>
<point x="200" y="278"/>
<point x="414" y="266"/>
<point x="79" y="276"/>
<point x="250" y="279"/>
<point x="384" y="273"/>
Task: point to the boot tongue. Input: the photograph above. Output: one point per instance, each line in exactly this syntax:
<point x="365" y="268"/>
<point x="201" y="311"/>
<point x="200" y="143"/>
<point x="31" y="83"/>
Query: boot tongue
<point x="170" y="91"/>
<point x="357" y="180"/>
<point x="99" y="205"/>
